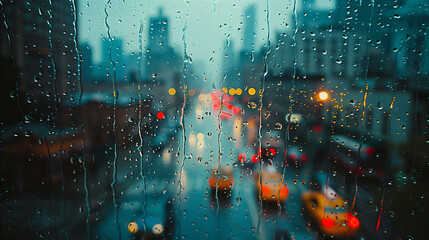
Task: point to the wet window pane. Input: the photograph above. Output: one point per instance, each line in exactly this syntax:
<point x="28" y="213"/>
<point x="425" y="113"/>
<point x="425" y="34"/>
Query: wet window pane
<point x="214" y="119"/>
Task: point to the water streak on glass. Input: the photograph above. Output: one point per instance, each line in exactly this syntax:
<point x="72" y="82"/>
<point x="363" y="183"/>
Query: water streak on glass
<point x="82" y="127"/>
<point x="140" y="147"/>
<point x="186" y="60"/>
<point x="115" y="100"/>
<point x="363" y="104"/>
<point x="11" y="54"/>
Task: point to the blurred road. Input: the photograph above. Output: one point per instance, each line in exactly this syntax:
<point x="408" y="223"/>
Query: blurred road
<point x="180" y="171"/>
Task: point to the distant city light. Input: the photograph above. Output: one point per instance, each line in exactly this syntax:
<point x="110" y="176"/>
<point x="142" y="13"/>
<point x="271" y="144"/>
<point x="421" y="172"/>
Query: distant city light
<point x="191" y="92"/>
<point x="252" y="91"/>
<point x="323" y="95"/>
<point x="132" y="227"/>
<point x="238" y="91"/>
<point x="232" y="91"/>
<point x="172" y="91"/>
<point x="225" y="90"/>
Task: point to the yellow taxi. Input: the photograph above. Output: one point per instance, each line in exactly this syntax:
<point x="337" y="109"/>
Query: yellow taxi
<point x="221" y="179"/>
<point x="270" y="186"/>
<point x="329" y="213"/>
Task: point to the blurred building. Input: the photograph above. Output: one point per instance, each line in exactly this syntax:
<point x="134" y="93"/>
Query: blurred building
<point x="112" y="65"/>
<point x="249" y="34"/>
<point x="229" y="65"/>
<point x="87" y="61"/>
<point x="323" y="48"/>
<point x="40" y="42"/>
<point x="162" y="61"/>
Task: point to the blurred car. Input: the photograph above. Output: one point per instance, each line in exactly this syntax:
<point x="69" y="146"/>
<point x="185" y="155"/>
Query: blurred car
<point x="296" y="156"/>
<point x="221" y="179"/>
<point x="158" y="222"/>
<point x="270" y="185"/>
<point x="361" y="159"/>
<point x="165" y="133"/>
<point x="249" y="157"/>
<point x="329" y="213"/>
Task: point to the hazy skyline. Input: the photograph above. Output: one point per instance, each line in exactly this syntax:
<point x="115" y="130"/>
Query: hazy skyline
<point x="208" y="24"/>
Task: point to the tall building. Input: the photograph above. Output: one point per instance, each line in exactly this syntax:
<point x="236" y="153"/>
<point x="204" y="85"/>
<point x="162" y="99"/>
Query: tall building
<point x="112" y="57"/>
<point x="325" y="48"/>
<point x="229" y="65"/>
<point x="162" y="61"/>
<point x="86" y="62"/>
<point x="41" y="44"/>
<point x="249" y="34"/>
<point x="158" y="34"/>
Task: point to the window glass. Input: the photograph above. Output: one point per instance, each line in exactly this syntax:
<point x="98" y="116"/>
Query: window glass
<point x="296" y="119"/>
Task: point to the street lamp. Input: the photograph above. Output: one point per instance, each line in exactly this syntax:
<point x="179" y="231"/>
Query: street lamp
<point x="323" y="96"/>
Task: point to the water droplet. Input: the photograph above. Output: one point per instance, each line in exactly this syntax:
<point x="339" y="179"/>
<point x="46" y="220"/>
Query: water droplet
<point x="278" y="126"/>
<point x="252" y="105"/>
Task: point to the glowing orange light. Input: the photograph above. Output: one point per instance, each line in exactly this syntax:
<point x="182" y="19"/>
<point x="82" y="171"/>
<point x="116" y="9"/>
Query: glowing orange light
<point x="132" y="227"/>
<point x="171" y="91"/>
<point x="323" y="95"/>
<point x="265" y="190"/>
<point x="252" y="91"/>
<point x="160" y="115"/>
<point x="284" y="192"/>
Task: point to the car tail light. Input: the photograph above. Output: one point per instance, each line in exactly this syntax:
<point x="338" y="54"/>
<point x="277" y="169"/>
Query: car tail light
<point x="303" y="158"/>
<point x="353" y="222"/>
<point x="328" y="222"/>
<point x="293" y="156"/>
<point x="265" y="190"/>
<point x="370" y="151"/>
<point x="284" y="192"/>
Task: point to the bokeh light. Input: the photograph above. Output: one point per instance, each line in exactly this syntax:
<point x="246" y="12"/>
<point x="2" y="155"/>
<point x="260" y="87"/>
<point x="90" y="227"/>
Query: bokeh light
<point x="323" y="95"/>
<point x="172" y="91"/>
<point x="252" y="91"/>
<point x="160" y="115"/>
